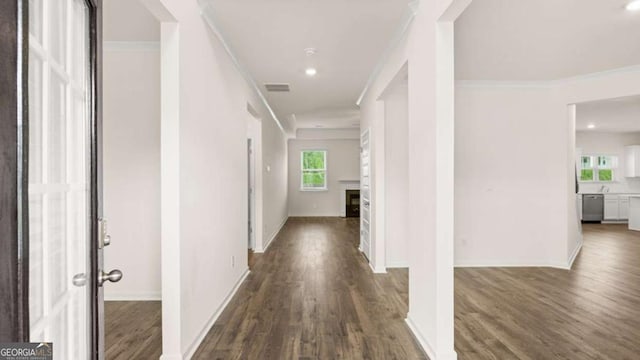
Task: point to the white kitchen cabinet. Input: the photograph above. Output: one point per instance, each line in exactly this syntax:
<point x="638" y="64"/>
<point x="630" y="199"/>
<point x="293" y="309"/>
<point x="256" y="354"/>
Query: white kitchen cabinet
<point x="634" y="213"/>
<point x="624" y="208"/>
<point x="632" y="161"/>
<point x="611" y="209"/>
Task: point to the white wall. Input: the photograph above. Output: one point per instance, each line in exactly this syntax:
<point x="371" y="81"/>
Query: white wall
<point x="206" y="233"/>
<point x="131" y="148"/>
<point x="518" y="132"/>
<point x="317" y="134"/>
<point x="598" y="143"/>
<point x="396" y="127"/>
<point x="274" y="181"/>
<point x="509" y="178"/>
<point x="343" y="163"/>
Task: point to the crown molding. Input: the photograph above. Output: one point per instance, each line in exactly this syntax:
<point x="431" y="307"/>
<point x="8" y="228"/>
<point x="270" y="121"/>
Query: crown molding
<point x="245" y="74"/>
<point x="407" y="19"/>
<point x="548" y="83"/>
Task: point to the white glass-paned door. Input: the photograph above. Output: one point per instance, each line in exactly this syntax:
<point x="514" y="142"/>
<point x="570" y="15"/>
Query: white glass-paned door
<point x="59" y="185"/>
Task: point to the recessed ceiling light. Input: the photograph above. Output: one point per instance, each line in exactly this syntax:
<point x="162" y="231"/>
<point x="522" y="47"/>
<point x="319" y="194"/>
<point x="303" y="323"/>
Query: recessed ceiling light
<point x="311" y="72"/>
<point x="310" y="51"/>
<point x="634" y="5"/>
<point x="591" y="126"/>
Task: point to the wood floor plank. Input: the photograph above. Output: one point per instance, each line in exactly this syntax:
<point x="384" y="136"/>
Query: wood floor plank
<point x="313" y="296"/>
<point x="589" y="312"/>
<point x="133" y="330"/>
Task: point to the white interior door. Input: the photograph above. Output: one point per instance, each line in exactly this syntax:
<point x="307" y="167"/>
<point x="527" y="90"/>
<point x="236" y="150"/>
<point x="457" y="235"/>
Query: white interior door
<point x="59" y="180"/>
<point x="365" y="193"/>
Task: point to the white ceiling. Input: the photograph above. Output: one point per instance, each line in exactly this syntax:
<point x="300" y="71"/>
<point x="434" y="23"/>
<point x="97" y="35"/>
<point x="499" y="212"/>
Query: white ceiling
<point x="522" y="40"/>
<point x="614" y="115"/>
<point x="269" y="38"/>
<point x="129" y="20"/>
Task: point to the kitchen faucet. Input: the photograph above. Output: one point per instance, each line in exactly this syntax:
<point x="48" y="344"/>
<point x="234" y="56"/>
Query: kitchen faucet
<point x="604" y="189"/>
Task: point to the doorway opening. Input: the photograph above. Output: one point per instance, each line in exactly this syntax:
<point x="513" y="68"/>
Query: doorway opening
<point x="254" y="185"/>
<point x="607" y="155"/>
<point x="132" y="178"/>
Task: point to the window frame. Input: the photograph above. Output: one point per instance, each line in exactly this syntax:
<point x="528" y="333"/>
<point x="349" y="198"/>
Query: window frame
<point x="595" y="167"/>
<point x="303" y="170"/>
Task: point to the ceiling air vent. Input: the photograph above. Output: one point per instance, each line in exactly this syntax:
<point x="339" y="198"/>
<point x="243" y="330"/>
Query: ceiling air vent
<point x="277" y="87"/>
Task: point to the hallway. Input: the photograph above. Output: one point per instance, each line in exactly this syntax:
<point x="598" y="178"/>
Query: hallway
<point x="313" y="296"/>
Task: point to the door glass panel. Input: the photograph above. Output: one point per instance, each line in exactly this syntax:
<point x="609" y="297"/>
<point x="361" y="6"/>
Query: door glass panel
<point x="56" y="129"/>
<point x="35" y="19"/>
<point x="57" y="31"/>
<point x="36" y="282"/>
<point x="35" y="117"/>
<point x="59" y="185"/>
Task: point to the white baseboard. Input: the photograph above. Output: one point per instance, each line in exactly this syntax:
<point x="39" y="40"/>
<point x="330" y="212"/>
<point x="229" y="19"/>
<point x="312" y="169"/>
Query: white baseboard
<point x="170" y="357"/>
<point x="272" y="237"/>
<point x="194" y="346"/>
<point x="315" y="215"/>
<point x="382" y="270"/>
<point x="151" y="296"/>
<point x="573" y="257"/>
<point x="425" y="344"/>
<point x="491" y="264"/>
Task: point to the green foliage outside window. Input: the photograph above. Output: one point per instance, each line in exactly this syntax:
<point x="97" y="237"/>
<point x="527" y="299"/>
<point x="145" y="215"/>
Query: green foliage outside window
<point x="314" y="169"/>
<point x="586" y="175"/>
<point x="605" y="175"/>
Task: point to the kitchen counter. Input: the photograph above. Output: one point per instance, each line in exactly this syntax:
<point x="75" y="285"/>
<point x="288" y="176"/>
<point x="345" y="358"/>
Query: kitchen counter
<point x="634" y="212"/>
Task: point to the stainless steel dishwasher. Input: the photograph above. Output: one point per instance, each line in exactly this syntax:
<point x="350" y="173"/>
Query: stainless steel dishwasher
<point x="592" y="207"/>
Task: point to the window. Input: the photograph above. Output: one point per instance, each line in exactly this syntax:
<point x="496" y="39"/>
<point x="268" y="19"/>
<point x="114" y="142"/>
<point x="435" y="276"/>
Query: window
<point x="314" y="170"/>
<point x="598" y="168"/>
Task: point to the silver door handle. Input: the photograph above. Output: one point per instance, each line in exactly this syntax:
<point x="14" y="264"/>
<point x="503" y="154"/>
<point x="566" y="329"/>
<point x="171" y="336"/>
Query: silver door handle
<point x="79" y="280"/>
<point x="112" y="276"/>
<point x="366" y="203"/>
<point x="107" y="240"/>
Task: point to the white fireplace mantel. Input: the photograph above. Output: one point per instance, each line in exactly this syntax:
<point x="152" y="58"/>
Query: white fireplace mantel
<point x="344" y="186"/>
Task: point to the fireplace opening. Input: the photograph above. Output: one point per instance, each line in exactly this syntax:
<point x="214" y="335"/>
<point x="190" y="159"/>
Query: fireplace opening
<point x="352" y="203"/>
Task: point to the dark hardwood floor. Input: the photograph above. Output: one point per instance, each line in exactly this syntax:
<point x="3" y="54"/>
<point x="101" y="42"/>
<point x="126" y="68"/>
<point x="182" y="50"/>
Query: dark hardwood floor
<point x="590" y="312"/>
<point x="313" y="296"/>
<point x="133" y="330"/>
